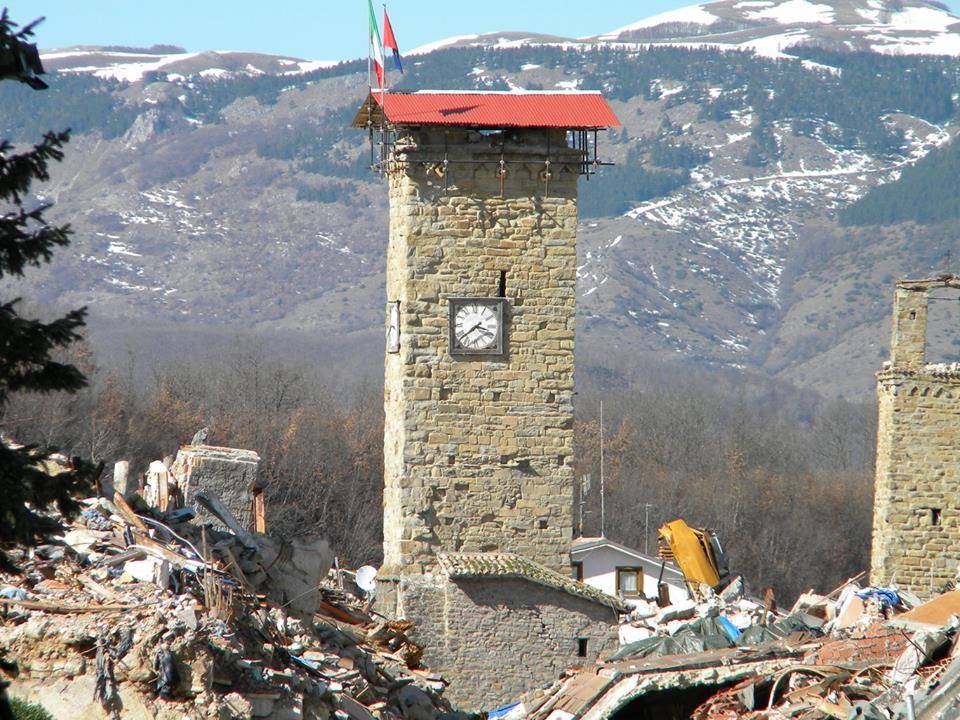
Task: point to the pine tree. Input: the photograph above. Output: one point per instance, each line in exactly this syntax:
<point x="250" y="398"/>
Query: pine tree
<point x="28" y="489"/>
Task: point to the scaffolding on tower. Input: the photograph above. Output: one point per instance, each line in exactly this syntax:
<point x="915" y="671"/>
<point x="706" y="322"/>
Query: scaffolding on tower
<point x="581" y="115"/>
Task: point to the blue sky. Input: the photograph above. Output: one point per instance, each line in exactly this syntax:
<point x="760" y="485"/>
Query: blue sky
<point x="317" y="30"/>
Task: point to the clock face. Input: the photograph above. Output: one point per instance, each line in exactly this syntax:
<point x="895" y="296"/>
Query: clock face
<point x="476" y="326"/>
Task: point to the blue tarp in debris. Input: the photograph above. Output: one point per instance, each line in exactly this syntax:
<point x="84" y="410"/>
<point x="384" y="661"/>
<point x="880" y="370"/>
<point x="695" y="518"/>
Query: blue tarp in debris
<point x="886" y="596"/>
<point x="729" y="629"/>
<point x="712" y="633"/>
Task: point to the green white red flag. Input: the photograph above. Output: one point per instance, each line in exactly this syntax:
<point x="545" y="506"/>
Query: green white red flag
<point x="376" y="46"/>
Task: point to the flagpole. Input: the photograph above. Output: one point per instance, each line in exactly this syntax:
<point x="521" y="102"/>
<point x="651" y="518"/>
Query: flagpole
<point x="384" y="56"/>
<point x="383" y="90"/>
<point x="383" y="96"/>
<point x="369" y="89"/>
<point x="369" y="53"/>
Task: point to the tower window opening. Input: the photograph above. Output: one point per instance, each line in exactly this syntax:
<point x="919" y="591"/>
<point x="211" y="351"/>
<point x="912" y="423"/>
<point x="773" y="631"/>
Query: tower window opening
<point x="582" y="647"/>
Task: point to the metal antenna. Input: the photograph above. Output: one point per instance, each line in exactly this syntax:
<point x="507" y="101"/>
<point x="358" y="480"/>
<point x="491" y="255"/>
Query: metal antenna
<point x="603" y="514"/>
<point x="580" y="508"/>
<point x="584" y="491"/>
<point x="646" y="528"/>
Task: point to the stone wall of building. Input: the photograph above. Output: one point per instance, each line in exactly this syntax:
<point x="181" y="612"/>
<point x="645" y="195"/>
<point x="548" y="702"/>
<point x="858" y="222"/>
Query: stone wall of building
<point x="479" y="452"/>
<point x="495" y="640"/>
<point x="916" y="524"/>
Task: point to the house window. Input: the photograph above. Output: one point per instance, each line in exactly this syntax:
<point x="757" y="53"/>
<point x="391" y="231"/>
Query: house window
<point x="576" y="571"/>
<point x="629" y="581"/>
<point x="581" y="647"/>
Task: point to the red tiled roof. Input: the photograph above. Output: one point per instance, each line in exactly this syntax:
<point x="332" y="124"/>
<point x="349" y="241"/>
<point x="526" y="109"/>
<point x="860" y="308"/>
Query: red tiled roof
<point x="567" y="110"/>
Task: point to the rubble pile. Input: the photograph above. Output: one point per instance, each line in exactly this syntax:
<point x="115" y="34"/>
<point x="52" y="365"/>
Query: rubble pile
<point x="138" y="613"/>
<point x="722" y="619"/>
<point x="865" y="652"/>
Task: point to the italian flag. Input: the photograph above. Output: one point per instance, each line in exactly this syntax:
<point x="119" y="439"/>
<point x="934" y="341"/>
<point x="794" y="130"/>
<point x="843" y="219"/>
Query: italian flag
<point x="390" y="40"/>
<point x="376" y="46"/>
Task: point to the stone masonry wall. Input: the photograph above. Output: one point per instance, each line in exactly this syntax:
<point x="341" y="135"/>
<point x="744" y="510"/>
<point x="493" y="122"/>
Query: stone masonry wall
<point x="917" y="478"/>
<point x="479" y="453"/>
<point x="908" y="345"/>
<point x="916" y="523"/>
<point x="496" y="639"/>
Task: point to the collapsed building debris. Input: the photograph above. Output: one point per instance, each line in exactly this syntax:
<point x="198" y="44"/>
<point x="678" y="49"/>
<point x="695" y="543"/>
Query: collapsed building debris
<point x="856" y="652"/>
<point x="139" y="613"/>
<point x="228" y="473"/>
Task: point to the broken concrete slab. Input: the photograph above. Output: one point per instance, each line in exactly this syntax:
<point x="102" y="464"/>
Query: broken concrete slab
<point x="121" y="478"/>
<point x="878" y="644"/>
<point x="850" y="612"/>
<point x="922" y="646"/>
<point x="150" y="569"/>
<point x="157" y="486"/>
<point x="932" y="615"/>
<point x="228" y="473"/>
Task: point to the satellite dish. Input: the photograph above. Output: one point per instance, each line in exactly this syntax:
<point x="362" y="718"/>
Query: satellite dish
<point x="366" y="578"/>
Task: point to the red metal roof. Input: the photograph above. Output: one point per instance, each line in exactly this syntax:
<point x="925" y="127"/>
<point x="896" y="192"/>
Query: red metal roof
<point x="568" y="110"/>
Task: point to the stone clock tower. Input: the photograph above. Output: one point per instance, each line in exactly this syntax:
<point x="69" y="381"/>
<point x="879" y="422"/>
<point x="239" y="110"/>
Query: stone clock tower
<point x="481" y="295"/>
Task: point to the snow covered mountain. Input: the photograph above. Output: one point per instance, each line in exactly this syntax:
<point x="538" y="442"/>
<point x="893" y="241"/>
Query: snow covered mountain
<point x="223" y="190"/>
<point x="133" y="64"/>
<point x="769" y="28"/>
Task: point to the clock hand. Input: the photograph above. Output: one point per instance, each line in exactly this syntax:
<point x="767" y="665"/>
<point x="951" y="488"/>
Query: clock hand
<point x="484" y="334"/>
<point x="468" y="332"/>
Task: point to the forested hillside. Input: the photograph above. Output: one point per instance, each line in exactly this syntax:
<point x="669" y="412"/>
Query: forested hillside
<point x="735" y="268"/>
<point x="760" y="463"/>
<point x="726" y="167"/>
<point x="926" y="193"/>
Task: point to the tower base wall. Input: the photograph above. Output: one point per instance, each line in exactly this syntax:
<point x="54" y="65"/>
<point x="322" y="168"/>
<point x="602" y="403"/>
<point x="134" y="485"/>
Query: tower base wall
<point x="496" y="639"/>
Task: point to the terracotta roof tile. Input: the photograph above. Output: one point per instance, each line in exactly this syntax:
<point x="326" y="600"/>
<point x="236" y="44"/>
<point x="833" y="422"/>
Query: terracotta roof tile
<point x="562" y="110"/>
<point x="511" y="565"/>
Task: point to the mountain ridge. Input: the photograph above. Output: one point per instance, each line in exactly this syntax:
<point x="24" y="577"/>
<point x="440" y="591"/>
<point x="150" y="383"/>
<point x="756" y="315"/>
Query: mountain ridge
<point x="769" y="28"/>
<point x="246" y="202"/>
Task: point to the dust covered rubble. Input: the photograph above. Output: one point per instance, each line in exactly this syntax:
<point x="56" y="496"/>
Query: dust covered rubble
<point x="135" y="612"/>
<point x="877" y="653"/>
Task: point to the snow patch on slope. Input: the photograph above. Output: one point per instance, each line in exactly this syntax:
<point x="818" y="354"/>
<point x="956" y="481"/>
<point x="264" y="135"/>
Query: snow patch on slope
<point x="134" y="66"/>
<point x="918" y="19"/>
<point x="440" y="44"/>
<point x="693" y="15"/>
<point x="795" y="12"/>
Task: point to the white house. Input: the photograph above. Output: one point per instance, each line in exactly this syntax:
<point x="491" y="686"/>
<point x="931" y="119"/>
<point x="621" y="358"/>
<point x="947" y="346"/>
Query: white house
<point x="624" y="572"/>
